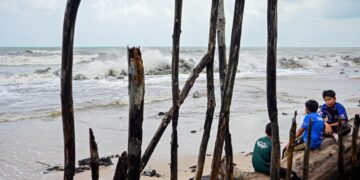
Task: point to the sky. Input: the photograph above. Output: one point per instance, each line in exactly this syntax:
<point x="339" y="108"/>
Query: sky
<point x="301" y="23"/>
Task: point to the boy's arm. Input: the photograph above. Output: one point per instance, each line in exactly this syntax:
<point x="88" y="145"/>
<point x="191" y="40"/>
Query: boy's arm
<point x="299" y="132"/>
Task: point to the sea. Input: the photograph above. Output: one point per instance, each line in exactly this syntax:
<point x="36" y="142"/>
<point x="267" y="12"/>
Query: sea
<point x="30" y="110"/>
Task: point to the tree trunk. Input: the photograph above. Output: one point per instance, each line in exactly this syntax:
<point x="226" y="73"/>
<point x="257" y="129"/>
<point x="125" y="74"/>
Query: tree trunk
<point x="168" y="115"/>
<point x="175" y="88"/>
<point x="289" y="155"/>
<point x="136" y="110"/>
<point x="94" y="156"/>
<point x="354" y="159"/>
<point x="121" y="167"/>
<point x="228" y="88"/>
<point x="307" y="152"/>
<point x="67" y="106"/>
<point x="271" y="87"/>
<point x="211" y="103"/>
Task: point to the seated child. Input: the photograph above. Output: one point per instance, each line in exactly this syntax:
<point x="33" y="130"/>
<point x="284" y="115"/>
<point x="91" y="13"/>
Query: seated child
<point x="331" y="111"/>
<point x="311" y="107"/>
<point x="261" y="158"/>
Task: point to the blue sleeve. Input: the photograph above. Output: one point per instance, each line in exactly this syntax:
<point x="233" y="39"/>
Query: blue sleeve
<point x="305" y="123"/>
<point x="342" y="112"/>
<point x="322" y="112"/>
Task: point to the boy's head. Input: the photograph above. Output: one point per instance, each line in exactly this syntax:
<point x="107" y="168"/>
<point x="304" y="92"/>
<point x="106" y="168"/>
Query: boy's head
<point x="329" y="98"/>
<point x="268" y="129"/>
<point x="311" y="106"/>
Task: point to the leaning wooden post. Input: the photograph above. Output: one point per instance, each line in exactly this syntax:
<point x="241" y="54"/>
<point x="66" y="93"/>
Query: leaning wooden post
<point x="175" y="88"/>
<point x="271" y="87"/>
<point x="168" y="115"/>
<point x="289" y="154"/>
<point x="307" y="152"/>
<point x="228" y="88"/>
<point x="211" y="103"/>
<point x="221" y="46"/>
<point x="121" y="167"/>
<point x="136" y="110"/>
<point x="354" y="162"/>
<point x="67" y="106"/>
<point x="341" y="149"/>
<point x="94" y="156"/>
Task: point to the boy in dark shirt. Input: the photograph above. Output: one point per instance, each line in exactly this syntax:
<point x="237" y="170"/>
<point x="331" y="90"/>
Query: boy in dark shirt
<point x="331" y="111"/>
<point x="261" y="158"/>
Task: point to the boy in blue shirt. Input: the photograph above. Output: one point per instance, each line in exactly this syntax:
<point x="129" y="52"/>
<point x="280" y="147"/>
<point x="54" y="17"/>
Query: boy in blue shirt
<point x="331" y="111"/>
<point x="311" y="107"/>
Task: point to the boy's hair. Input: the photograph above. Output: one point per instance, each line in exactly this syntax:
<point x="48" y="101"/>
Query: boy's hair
<point x="312" y="105"/>
<point x="329" y="93"/>
<point x="268" y="129"/>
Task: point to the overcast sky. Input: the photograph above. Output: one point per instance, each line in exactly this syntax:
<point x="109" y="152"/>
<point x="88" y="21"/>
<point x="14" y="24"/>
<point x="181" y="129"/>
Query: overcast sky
<point x="302" y="23"/>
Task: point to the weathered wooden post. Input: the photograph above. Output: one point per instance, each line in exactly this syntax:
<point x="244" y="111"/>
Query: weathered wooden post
<point x="289" y="155"/>
<point x="168" y="115"/>
<point x="67" y="106"/>
<point x="354" y="160"/>
<point x="271" y="87"/>
<point x="228" y="88"/>
<point x="307" y="152"/>
<point x="221" y="45"/>
<point x="94" y="156"/>
<point x="121" y="167"/>
<point x="136" y="110"/>
<point x="175" y="88"/>
<point x="211" y="103"/>
<point x="341" y="149"/>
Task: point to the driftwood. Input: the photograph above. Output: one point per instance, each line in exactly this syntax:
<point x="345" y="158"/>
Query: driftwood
<point x="307" y="152"/>
<point x="121" y="167"/>
<point x="354" y="159"/>
<point x="289" y="155"/>
<point x="67" y="106"/>
<point x="168" y="115"/>
<point x="323" y="162"/>
<point x="271" y="87"/>
<point x="175" y="89"/>
<point x="136" y="111"/>
<point x="211" y="103"/>
<point x="94" y="156"/>
<point x="228" y="88"/>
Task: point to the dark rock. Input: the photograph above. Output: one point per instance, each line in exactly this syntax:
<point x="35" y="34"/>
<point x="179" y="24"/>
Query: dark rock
<point x="79" y="77"/>
<point x="289" y="63"/>
<point x="193" y="131"/>
<point x="42" y="71"/>
<point x="150" y="173"/>
<point x="196" y="94"/>
<point x="161" y="114"/>
<point x="285" y="114"/>
<point x="208" y="154"/>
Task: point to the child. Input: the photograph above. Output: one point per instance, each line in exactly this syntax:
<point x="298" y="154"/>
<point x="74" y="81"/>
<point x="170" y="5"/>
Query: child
<point x="311" y="107"/>
<point x="262" y="155"/>
<point x="331" y="111"/>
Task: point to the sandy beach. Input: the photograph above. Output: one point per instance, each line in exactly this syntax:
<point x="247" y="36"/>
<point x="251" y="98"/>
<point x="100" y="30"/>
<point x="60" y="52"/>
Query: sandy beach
<point x="30" y="134"/>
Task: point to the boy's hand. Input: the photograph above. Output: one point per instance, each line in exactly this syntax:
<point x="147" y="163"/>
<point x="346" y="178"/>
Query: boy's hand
<point x="328" y="129"/>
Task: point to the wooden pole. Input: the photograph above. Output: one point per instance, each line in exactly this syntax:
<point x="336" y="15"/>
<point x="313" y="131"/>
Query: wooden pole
<point x="228" y="88"/>
<point x="121" y="167"/>
<point x="292" y="136"/>
<point x="67" y="106"/>
<point x="271" y="87"/>
<point x="341" y="149"/>
<point x="221" y="46"/>
<point x="307" y="152"/>
<point x="94" y="156"/>
<point x="211" y="103"/>
<point x="354" y="162"/>
<point x="136" y="110"/>
<point x="175" y="89"/>
<point x="168" y="115"/>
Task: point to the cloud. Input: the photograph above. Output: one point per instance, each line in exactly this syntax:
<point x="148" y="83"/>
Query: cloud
<point x="120" y="11"/>
<point x="25" y="6"/>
